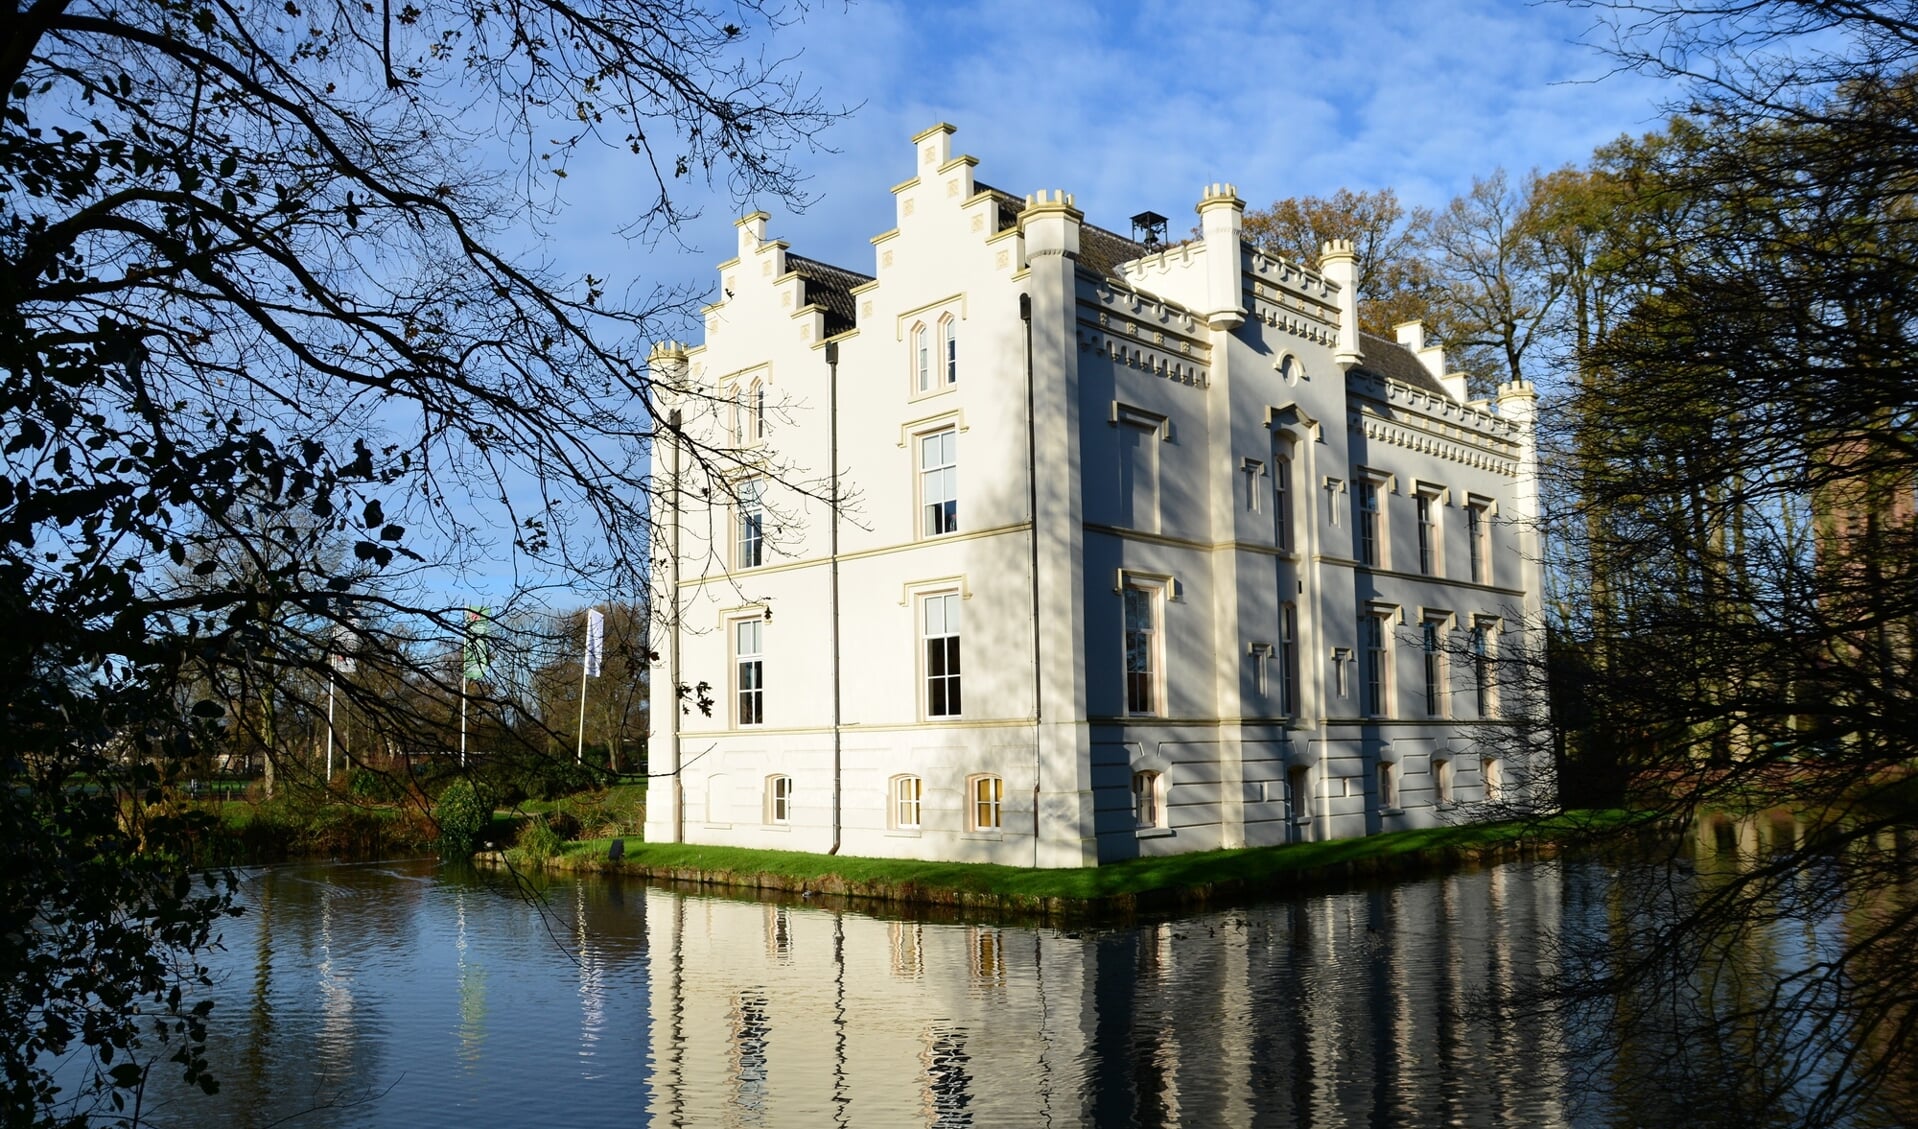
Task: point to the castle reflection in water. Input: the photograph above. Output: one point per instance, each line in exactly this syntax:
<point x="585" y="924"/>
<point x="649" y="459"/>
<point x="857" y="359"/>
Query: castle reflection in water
<point x="1358" y="1007"/>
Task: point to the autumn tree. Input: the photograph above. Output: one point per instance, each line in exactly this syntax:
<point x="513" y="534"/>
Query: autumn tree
<point x="1745" y="425"/>
<point x="1394" y="278"/>
<point x="265" y="257"/>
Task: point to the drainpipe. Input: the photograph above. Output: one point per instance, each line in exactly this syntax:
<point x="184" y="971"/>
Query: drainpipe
<point x="672" y="605"/>
<point x="832" y="452"/>
<point x="1032" y="514"/>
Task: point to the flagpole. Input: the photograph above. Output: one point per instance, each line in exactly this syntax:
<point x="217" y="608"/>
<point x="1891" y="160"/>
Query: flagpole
<point x="329" y="723"/>
<point x="579" y="748"/>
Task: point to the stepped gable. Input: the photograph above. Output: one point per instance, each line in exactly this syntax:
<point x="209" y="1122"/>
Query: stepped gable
<point x="829" y="288"/>
<point x="1387" y="358"/>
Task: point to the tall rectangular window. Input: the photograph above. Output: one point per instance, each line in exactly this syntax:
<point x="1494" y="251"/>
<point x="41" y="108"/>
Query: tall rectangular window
<point x="749" y="543"/>
<point x="1378" y="664"/>
<point x="939" y="482"/>
<point x="1282" y="502"/>
<point x="1148" y="807"/>
<point x="1388" y="786"/>
<point x="1434" y="656"/>
<point x="1144" y="692"/>
<point x="1478" y="538"/>
<point x="749" y="680"/>
<point x="1428" y="535"/>
<point x="1139" y="475"/>
<point x="939" y="616"/>
<point x="1289" y="660"/>
<point x="1483" y="669"/>
<point x="922" y="357"/>
<point x="949" y="331"/>
<point x="1371" y="528"/>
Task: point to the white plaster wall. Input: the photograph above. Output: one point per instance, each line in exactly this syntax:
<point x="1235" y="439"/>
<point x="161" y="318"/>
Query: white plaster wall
<point x="1099" y="347"/>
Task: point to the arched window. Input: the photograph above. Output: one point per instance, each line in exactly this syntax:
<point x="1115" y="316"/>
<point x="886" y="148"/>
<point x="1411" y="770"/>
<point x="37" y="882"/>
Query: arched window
<point x="1298" y="788"/>
<point x="718" y="803"/>
<point x="1441" y="781"/>
<point x="949" y="348"/>
<point x="1493" y="770"/>
<point x="907" y="792"/>
<point x="779" y="799"/>
<point x="756" y="412"/>
<point x="1148" y="799"/>
<point x="988" y="798"/>
<point x="921" y="359"/>
<point x="735" y="412"/>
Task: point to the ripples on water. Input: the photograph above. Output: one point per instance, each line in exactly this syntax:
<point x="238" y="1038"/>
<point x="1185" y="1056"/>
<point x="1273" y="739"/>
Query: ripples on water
<point x="397" y="995"/>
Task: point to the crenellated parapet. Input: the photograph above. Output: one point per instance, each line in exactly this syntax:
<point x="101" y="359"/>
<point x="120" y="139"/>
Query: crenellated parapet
<point x="1144" y="332"/>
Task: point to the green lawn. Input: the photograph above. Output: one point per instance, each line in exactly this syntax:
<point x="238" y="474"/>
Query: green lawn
<point x="1248" y="869"/>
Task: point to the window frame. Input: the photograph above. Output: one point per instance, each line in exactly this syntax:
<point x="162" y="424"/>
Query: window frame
<point x="1375" y="676"/>
<point x="756" y="658"/>
<point x="1369" y="515"/>
<point x="947" y="522"/>
<point x="951" y="679"/>
<point x="1282" y="502"/>
<point x="948" y="352"/>
<point x="1443" y="779"/>
<point x="919" y="358"/>
<point x="1435" y="667"/>
<point x="1254" y="471"/>
<point x="1298" y="792"/>
<point x="1152" y="590"/>
<point x="985" y="812"/>
<point x="779" y="798"/>
<point x="1478" y="539"/>
<point x="1484" y="645"/>
<point x="898" y="802"/>
<point x="1387" y="775"/>
<point x="1288" y="656"/>
<point x="749" y="523"/>
<point x="1492" y="777"/>
<point x="1148" y="802"/>
<point x="1430" y="503"/>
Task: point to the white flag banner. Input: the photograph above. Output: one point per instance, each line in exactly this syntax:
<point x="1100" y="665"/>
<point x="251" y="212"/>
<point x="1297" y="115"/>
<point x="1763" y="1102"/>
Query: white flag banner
<point x="595" y="641"/>
<point x="341" y="652"/>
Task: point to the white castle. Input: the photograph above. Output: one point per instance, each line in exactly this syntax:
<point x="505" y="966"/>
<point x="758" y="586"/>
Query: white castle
<point x="1140" y="549"/>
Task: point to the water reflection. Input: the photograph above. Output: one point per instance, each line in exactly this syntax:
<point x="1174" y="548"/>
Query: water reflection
<point x="404" y="995"/>
<point x="1331" y="1010"/>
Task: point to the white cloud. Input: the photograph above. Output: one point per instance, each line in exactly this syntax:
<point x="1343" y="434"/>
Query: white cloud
<point x="1135" y="106"/>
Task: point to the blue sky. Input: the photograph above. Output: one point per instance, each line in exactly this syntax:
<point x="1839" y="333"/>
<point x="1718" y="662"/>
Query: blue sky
<point x="1136" y="106"/>
<point x="1133" y="106"/>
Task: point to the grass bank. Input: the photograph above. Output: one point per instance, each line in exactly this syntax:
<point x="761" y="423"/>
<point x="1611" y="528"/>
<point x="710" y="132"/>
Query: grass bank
<point x="1187" y="881"/>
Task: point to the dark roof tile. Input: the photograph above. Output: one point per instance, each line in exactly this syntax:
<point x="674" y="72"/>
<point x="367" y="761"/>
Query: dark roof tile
<point x="830" y="288"/>
<point x="1387" y="358"/>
